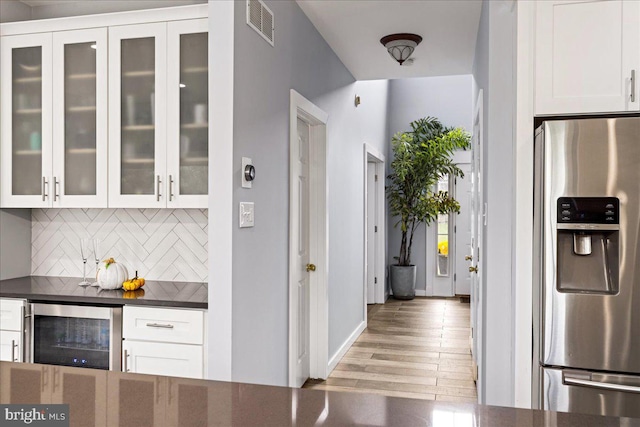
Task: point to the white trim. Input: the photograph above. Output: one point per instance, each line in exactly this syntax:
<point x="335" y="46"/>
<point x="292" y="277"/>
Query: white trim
<point x="522" y="254"/>
<point x="105" y="20"/>
<point x="221" y="218"/>
<point x="319" y="237"/>
<point x="381" y="247"/>
<point x="335" y="359"/>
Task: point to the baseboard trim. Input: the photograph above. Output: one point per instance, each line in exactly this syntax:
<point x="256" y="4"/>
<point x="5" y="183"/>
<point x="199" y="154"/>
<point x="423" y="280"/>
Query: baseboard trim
<point x="333" y="362"/>
<point x="421" y="292"/>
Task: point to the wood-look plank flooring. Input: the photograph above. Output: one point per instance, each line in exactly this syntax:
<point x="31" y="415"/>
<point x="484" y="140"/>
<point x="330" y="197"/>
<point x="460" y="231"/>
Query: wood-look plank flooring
<point x="418" y="349"/>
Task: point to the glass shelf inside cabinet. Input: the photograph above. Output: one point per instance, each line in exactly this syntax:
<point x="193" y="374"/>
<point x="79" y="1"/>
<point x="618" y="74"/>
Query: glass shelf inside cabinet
<point x="26" y="124"/>
<point x="194" y="105"/>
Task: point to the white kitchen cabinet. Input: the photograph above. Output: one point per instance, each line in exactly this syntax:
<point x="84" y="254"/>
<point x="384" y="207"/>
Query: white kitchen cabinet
<point x="137" y="115"/>
<point x="158" y="115"/>
<point x="187" y="114"/>
<point x="80" y="119"/>
<point x="586" y="53"/>
<point x="163" y="341"/>
<point x="54" y="134"/>
<point x="25" y="120"/>
<point x="12" y="330"/>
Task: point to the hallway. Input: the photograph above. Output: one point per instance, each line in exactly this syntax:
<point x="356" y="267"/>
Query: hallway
<point x="418" y="349"/>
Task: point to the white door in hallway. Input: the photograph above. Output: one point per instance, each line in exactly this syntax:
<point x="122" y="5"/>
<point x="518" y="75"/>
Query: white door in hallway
<point x="371" y="229"/>
<point x="478" y="212"/>
<point x="463" y="235"/>
<point x="302" y="249"/>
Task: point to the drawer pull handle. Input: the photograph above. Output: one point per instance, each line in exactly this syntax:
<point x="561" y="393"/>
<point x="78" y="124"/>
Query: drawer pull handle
<point x="160" y="325"/>
<point x="13" y="351"/>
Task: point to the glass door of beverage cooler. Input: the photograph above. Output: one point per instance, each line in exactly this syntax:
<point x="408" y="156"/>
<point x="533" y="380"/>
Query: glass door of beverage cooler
<point x="88" y="337"/>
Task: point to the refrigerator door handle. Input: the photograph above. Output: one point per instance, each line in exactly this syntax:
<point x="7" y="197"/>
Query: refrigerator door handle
<point x="569" y="380"/>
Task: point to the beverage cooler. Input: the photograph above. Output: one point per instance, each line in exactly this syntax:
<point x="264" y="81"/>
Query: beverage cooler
<point x="80" y="336"/>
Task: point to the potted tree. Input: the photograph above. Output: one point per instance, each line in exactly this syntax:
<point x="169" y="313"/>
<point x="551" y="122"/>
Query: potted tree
<point x="421" y="157"/>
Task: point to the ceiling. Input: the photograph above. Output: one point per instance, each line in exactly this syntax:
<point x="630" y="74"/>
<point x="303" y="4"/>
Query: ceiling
<point x="353" y="29"/>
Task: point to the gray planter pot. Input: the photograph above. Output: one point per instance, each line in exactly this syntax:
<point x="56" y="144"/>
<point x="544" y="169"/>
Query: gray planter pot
<point x="403" y="281"/>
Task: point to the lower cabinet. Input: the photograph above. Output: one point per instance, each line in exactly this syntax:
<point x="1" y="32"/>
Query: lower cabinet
<point x="11" y="329"/>
<point x="163" y="341"/>
<point x="136" y="401"/>
<point x="85" y="391"/>
<point x="25" y="383"/>
<point x="158" y="358"/>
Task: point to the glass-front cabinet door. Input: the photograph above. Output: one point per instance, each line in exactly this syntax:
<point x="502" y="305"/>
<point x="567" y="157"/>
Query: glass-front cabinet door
<point x="137" y="115"/>
<point x="80" y="119"/>
<point x="187" y="114"/>
<point x="25" y="121"/>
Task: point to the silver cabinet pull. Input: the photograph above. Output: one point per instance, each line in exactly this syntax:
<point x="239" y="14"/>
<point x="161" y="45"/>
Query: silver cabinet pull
<point x="56" y="374"/>
<point x="158" y="181"/>
<point x="126" y="361"/>
<point x="633" y="86"/>
<point x="170" y="188"/>
<point x="600" y="385"/>
<point x="45" y="184"/>
<point x="56" y="184"/>
<point x="13" y="350"/>
<point x="160" y="325"/>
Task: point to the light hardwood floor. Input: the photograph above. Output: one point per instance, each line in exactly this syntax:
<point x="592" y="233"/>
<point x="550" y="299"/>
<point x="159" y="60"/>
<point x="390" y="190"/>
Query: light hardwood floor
<point x="418" y="349"/>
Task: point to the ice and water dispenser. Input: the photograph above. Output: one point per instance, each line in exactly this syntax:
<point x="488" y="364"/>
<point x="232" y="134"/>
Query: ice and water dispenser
<point x="588" y="244"/>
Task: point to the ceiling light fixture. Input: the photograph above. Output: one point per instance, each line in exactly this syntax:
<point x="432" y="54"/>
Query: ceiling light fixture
<point x="401" y="46"/>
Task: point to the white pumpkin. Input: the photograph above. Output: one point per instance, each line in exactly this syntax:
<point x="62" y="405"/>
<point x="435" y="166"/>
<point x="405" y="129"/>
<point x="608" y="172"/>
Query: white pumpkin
<point x="111" y="274"/>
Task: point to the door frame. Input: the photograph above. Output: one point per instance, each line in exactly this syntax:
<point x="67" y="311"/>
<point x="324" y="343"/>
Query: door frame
<point x="371" y="154"/>
<point x="302" y="108"/>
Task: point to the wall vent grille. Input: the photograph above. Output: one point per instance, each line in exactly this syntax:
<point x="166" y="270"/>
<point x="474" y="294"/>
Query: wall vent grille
<point x="260" y="18"/>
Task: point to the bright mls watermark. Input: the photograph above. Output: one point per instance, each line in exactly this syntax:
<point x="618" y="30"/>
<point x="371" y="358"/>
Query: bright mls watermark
<point x="34" y="415"/>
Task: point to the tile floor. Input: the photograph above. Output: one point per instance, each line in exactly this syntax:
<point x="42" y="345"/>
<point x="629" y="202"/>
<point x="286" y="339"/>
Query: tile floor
<point x="418" y="349"/>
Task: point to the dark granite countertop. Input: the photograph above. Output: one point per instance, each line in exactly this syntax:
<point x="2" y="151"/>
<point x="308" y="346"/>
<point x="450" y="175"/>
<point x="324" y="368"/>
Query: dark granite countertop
<point x="66" y="290"/>
<point x="124" y="399"/>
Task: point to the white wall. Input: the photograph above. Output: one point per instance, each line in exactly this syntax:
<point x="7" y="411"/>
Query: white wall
<point x="494" y="73"/>
<point x="263" y="76"/>
<point x="13" y="10"/>
<point x="448" y="98"/>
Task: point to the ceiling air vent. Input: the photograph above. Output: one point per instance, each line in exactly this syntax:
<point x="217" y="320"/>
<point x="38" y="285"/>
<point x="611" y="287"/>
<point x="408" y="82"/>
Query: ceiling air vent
<point x="260" y="18"/>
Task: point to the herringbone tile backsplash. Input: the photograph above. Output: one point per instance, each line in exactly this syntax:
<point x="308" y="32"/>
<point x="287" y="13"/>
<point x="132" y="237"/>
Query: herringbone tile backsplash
<point x="162" y="244"/>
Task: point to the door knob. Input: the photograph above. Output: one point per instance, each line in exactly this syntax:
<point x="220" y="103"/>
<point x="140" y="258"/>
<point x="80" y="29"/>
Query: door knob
<point x="311" y="267"/>
<point x="473" y="269"/>
<point x="468" y="258"/>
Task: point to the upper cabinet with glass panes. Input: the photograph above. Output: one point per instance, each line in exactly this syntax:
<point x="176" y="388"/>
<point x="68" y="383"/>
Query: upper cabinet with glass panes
<point x="106" y="117"/>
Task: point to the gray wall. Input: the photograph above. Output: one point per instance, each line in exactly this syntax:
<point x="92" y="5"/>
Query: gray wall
<point x="494" y="73"/>
<point x="449" y="99"/>
<point x="301" y="60"/>
<point x="13" y="10"/>
<point x="15" y="243"/>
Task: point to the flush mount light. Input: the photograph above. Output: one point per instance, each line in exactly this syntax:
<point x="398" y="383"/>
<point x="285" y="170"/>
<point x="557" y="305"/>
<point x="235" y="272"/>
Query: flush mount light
<point x="401" y="46"/>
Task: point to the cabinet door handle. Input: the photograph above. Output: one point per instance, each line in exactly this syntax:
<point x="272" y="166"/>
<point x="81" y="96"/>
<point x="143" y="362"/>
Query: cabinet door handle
<point x="633" y="86"/>
<point x="45" y="375"/>
<point x="56" y="373"/>
<point x="45" y="184"/>
<point x="170" y="188"/>
<point x="126" y="361"/>
<point x="13" y="350"/>
<point x="160" y="325"/>
<point x="56" y="184"/>
<point x="158" y="181"/>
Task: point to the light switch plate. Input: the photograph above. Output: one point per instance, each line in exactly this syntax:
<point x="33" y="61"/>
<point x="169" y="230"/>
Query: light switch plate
<point x="246" y="214"/>
<point x="245" y="162"/>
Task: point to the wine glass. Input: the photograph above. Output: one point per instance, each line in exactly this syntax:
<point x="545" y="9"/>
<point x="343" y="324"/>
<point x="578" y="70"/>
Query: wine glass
<point x="85" y="251"/>
<point x="97" y="256"/>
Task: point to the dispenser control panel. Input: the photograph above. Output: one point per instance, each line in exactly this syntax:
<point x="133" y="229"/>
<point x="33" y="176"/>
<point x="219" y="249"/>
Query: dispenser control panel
<point x="589" y="210"/>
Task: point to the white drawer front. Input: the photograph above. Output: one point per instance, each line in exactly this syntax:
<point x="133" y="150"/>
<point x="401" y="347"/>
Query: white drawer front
<point x="11" y="314"/>
<point x="161" y="324"/>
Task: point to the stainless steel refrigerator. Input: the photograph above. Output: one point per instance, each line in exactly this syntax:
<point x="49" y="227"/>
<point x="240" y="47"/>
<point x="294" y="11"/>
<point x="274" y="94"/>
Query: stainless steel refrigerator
<point x="587" y="266"/>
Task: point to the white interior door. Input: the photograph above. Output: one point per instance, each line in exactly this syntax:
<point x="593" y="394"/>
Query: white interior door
<point x="302" y="292"/>
<point x="477" y="225"/>
<point x="371" y="232"/>
<point x="463" y="235"/>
